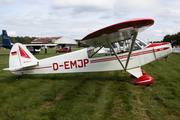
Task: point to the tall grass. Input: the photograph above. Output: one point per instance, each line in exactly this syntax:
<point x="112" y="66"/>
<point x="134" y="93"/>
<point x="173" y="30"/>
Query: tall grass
<point x="100" y="95"/>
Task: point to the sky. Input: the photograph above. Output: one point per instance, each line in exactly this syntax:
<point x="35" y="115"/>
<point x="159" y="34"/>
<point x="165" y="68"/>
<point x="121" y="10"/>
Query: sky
<point x="78" y="18"/>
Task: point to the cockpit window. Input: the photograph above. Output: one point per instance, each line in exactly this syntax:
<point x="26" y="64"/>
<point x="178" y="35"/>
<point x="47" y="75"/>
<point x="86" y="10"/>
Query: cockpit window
<point x="97" y="52"/>
<point x="119" y="47"/>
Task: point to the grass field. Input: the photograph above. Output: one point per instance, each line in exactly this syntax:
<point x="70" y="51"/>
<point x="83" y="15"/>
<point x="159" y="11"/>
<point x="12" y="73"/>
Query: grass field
<point x="95" y="96"/>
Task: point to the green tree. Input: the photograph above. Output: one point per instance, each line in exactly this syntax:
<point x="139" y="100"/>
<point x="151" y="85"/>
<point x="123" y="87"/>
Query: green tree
<point x="167" y="38"/>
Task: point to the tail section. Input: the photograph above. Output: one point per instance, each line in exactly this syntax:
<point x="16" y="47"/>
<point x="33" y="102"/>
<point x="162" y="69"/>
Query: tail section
<point x="6" y="42"/>
<point x="20" y="57"/>
<point x="5" y="37"/>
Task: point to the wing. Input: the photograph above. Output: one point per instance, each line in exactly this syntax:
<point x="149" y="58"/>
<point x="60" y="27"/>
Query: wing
<point x="34" y="45"/>
<point x="119" y="32"/>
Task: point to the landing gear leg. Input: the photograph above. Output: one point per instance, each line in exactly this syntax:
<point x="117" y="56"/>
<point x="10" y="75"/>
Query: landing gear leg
<point x="20" y="76"/>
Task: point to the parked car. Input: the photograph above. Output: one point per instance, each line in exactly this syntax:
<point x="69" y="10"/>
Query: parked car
<point x="65" y="49"/>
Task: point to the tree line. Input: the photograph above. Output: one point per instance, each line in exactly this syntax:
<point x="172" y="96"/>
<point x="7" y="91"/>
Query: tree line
<point x="27" y="39"/>
<point x="172" y="38"/>
<point x="23" y="40"/>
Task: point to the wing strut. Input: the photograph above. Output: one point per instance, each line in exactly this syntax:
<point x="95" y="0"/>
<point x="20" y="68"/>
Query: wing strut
<point x="96" y="52"/>
<point x="132" y="45"/>
<point x="129" y="55"/>
<point x="115" y="54"/>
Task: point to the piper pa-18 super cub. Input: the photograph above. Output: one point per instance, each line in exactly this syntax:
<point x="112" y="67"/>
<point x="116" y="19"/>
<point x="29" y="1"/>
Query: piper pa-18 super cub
<point x="132" y="54"/>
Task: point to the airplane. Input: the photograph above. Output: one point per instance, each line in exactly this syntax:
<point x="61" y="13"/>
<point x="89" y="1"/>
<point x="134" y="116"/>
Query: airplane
<point x="33" y="48"/>
<point x="36" y="48"/>
<point x="134" y="54"/>
<point x="6" y="42"/>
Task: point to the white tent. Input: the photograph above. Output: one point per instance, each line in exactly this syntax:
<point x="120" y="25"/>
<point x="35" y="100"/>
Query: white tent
<point x="65" y="40"/>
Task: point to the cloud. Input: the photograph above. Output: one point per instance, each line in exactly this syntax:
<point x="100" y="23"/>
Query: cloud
<point x="120" y="5"/>
<point x="138" y="5"/>
<point x="77" y="18"/>
<point x="169" y="12"/>
<point x="12" y="33"/>
<point x="87" y="5"/>
<point x="109" y="9"/>
<point x="6" y="1"/>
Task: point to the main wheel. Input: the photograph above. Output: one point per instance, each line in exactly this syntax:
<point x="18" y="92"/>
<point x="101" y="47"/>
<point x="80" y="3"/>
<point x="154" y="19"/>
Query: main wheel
<point x="144" y="80"/>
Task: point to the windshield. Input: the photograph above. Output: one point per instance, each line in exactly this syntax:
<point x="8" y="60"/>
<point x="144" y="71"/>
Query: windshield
<point x="142" y="43"/>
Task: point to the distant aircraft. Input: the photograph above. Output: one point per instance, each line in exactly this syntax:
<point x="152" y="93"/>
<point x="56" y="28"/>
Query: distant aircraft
<point x="5" y="40"/>
<point x="33" y="48"/>
<point x="133" y="54"/>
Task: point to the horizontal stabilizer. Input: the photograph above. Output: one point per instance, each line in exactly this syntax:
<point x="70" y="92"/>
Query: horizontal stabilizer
<point x="19" y="68"/>
<point x="11" y="69"/>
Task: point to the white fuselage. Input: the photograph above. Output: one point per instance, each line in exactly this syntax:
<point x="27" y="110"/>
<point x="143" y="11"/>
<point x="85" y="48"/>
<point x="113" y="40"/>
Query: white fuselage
<point x="79" y="61"/>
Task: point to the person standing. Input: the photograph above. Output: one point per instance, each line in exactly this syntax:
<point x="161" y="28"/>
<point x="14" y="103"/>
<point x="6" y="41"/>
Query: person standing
<point x="70" y="49"/>
<point x="45" y="49"/>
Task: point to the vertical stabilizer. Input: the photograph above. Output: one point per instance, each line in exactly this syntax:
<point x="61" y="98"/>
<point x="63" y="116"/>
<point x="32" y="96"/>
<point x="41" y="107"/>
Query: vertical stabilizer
<point x="6" y="42"/>
<point x="20" y="57"/>
<point x="5" y="37"/>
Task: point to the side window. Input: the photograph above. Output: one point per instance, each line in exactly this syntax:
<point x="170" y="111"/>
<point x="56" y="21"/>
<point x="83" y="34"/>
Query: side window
<point x="98" y="52"/>
<point x="127" y="45"/>
<point x="119" y="47"/>
<point x="136" y="47"/>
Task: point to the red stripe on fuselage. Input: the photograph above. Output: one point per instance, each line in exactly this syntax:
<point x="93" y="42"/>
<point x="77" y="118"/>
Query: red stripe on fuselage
<point x="132" y="55"/>
<point x="156" y="44"/>
<point x="32" y="69"/>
